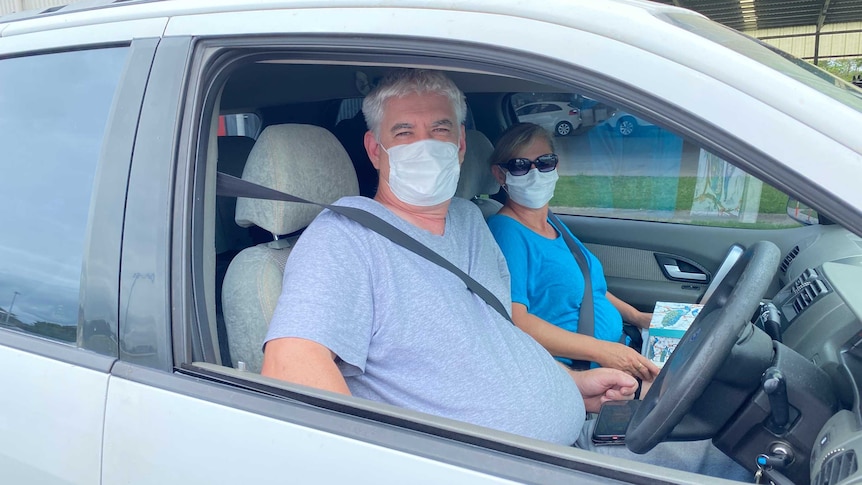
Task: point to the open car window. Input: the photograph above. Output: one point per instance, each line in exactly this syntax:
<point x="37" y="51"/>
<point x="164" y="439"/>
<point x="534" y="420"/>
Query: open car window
<point x="616" y="164"/>
<point x="616" y="168"/>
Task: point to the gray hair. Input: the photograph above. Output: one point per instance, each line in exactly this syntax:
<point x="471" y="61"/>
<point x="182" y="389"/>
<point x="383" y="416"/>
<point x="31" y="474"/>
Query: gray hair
<point x="409" y="81"/>
<point x="516" y="138"/>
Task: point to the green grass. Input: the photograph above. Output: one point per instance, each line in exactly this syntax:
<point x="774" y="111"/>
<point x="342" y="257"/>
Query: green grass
<point x="658" y="198"/>
<point x="638" y="192"/>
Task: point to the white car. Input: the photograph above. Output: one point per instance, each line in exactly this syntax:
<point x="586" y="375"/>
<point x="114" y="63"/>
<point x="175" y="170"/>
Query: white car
<point x="557" y="117"/>
<point x="625" y="124"/>
<point x="132" y="307"/>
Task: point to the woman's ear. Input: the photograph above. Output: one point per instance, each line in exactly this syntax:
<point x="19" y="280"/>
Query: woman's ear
<point x="499" y="174"/>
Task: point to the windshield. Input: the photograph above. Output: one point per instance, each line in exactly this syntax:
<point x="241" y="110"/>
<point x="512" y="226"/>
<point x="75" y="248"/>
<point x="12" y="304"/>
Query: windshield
<point x="768" y="55"/>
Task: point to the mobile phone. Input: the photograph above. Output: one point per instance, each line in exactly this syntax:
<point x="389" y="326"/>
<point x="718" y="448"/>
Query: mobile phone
<point x="613" y="420"/>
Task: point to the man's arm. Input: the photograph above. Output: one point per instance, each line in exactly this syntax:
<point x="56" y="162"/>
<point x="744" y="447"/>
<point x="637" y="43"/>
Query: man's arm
<point x="303" y="362"/>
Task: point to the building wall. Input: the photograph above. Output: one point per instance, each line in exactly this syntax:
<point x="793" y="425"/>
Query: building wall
<point x="836" y="40"/>
<point x="12" y="6"/>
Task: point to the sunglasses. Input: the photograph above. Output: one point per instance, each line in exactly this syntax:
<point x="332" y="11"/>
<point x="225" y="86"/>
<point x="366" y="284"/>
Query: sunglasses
<point x="520" y="166"/>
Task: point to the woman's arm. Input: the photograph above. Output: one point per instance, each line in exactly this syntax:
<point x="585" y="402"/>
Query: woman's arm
<point x="630" y="314"/>
<point x="563" y="343"/>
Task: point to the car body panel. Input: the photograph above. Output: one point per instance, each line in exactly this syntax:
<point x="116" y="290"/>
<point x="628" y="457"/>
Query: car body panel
<point x="47" y="404"/>
<point x="27" y="36"/>
<point x="266" y="448"/>
<point x="163" y="425"/>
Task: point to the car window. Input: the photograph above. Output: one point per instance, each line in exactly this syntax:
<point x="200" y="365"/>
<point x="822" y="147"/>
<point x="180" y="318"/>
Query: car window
<point x="526" y="110"/>
<point x="620" y="165"/>
<point x="241" y="124"/>
<point x="55" y="108"/>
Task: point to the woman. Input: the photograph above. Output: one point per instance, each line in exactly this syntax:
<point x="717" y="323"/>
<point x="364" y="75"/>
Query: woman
<point x="547" y="283"/>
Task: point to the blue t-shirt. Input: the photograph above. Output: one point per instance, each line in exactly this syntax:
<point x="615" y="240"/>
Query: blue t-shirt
<point x="547" y="280"/>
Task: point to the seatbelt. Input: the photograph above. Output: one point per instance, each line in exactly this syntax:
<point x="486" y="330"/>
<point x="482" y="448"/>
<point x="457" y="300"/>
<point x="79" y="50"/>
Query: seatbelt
<point x="230" y="186"/>
<point x="586" y="318"/>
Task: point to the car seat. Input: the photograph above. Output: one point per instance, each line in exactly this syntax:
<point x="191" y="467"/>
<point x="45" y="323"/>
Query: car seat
<point x="302" y="160"/>
<point x="476" y="179"/>
<point x="230" y="238"/>
<point x="233" y="152"/>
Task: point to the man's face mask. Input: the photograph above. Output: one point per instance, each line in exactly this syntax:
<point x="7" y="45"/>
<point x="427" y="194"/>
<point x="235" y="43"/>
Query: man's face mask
<point x="424" y="173"/>
<point x="534" y="189"/>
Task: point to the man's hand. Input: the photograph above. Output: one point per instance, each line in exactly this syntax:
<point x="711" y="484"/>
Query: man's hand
<point x="618" y="356"/>
<point x="600" y="385"/>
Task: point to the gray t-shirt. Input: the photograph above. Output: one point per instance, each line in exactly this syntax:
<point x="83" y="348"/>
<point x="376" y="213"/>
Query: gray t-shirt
<point x="408" y="332"/>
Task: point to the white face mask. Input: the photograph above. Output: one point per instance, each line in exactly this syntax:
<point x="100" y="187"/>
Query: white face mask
<point x="424" y="173"/>
<point x="534" y="189"/>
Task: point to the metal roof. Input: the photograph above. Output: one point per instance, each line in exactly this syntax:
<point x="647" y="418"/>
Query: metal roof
<point x="769" y="14"/>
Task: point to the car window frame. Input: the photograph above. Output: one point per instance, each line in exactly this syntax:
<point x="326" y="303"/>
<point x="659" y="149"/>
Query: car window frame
<point x="448" y="56"/>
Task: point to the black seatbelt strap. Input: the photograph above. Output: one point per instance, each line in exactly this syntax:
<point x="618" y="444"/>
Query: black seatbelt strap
<point x="586" y="319"/>
<point x="230" y="186"/>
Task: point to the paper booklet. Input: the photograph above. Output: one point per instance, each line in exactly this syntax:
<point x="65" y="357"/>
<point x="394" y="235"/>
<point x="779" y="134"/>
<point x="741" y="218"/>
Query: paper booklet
<point x="669" y="322"/>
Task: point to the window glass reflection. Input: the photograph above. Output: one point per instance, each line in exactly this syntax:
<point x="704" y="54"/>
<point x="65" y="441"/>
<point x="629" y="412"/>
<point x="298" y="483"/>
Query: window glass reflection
<point x="53" y="114"/>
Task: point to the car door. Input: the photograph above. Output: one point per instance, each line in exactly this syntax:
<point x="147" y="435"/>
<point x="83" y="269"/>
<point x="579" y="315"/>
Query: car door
<point x="67" y="116"/>
<point x="173" y="413"/>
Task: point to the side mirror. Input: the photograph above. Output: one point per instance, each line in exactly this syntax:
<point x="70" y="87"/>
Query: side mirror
<point x="801" y="213"/>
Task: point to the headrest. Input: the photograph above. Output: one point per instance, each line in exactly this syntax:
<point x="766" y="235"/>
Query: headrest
<point x="302" y="160"/>
<point x="476" y="178"/>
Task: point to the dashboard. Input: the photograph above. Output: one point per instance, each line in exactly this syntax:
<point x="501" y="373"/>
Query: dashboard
<point x="820" y="309"/>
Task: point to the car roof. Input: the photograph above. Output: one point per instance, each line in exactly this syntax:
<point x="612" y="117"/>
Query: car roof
<point x="119" y="10"/>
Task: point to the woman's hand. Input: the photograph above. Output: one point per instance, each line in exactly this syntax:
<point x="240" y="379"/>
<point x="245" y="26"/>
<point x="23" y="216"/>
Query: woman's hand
<point x="618" y="356"/>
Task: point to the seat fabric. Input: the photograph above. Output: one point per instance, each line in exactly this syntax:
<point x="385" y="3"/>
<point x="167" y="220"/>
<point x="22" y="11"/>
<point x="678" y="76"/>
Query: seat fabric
<point x="302" y="160"/>
<point x="476" y="179"/>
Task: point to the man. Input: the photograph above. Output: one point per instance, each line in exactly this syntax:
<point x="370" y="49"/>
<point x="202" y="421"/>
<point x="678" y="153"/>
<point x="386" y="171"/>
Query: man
<point x="361" y="315"/>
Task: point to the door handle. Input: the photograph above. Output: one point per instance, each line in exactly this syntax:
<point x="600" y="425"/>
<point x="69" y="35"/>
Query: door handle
<point x="674" y="272"/>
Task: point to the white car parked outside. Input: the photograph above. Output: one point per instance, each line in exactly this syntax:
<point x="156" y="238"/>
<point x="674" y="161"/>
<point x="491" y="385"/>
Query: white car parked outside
<point x="557" y="117"/>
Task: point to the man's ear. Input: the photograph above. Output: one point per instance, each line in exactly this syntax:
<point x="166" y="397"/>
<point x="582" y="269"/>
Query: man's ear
<point x="372" y="148"/>
<point x="462" y="145"/>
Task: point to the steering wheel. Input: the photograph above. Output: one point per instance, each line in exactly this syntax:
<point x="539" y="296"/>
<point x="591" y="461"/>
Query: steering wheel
<point x="703" y="348"/>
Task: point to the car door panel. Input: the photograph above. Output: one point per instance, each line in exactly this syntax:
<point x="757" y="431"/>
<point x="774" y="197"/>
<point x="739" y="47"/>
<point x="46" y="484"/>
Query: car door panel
<point x="191" y="431"/>
<point x="51" y="411"/>
<point x="633" y="252"/>
<point x="634" y="276"/>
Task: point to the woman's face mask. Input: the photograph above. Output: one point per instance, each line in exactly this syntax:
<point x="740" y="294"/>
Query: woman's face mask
<point x="532" y="190"/>
<point x="424" y="173"/>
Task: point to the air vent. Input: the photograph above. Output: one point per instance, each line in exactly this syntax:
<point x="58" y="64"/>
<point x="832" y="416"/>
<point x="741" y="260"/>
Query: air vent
<point x="836" y="468"/>
<point x="789" y="259"/>
<point x="807" y="293"/>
